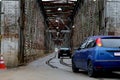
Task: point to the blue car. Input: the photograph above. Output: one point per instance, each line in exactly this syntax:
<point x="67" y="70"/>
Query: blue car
<point x="96" y="54"/>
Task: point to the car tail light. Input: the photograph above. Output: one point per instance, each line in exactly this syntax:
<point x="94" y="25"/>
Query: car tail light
<point x="99" y="42"/>
<point x="99" y="67"/>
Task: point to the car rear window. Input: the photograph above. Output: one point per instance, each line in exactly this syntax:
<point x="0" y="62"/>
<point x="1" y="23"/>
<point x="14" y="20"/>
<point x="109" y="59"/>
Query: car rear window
<point x="111" y="43"/>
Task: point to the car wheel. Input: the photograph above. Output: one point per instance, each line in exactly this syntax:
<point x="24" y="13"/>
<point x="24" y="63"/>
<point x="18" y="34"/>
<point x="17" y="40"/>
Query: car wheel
<point x="74" y="68"/>
<point x="91" y="71"/>
<point x="58" y="56"/>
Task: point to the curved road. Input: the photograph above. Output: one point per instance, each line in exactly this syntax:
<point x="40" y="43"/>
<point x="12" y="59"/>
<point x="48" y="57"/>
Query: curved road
<point x="51" y="68"/>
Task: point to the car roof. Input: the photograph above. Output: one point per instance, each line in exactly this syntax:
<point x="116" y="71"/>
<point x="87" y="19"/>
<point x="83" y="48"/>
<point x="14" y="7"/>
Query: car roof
<point x="95" y="37"/>
<point x="65" y="48"/>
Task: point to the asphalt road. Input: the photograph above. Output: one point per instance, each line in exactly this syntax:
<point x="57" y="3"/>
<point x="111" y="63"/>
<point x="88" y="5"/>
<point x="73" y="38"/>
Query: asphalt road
<point x="51" y="68"/>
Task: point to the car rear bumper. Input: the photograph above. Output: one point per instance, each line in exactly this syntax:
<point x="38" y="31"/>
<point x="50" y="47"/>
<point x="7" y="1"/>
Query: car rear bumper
<point x="65" y="54"/>
<point x="107" y="65"/>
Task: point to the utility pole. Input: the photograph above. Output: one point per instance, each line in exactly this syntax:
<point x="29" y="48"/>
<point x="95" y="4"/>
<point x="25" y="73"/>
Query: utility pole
<point x="21" y="33"/>
<point x="0" y="23"/>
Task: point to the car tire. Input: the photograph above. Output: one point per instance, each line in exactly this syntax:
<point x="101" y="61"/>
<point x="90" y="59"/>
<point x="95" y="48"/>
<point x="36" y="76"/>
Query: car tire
<point x="58" y="56"/>
<point x="74" y="68"/>
<point x="91" y="71"/>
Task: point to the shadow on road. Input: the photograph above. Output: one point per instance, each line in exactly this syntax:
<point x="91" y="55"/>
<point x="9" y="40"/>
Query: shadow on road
<point x="101" y="76"/>
<point x="111" y="75"/>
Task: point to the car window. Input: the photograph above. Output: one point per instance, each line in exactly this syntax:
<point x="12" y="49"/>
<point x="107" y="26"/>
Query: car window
<point x="83" y="45"/>
<point x="90" y="44"/>
<point x="111" y="43"/>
